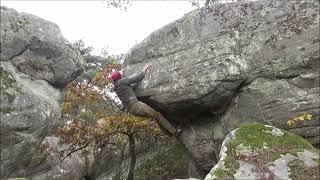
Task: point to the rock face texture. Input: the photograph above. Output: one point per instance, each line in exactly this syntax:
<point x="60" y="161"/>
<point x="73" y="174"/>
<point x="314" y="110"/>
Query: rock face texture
<point x="259" y="151"/>
<point x="35" y="63"/>
<point x="164" y="160"/>
<point x="236" y="63"/>
<point x="37" y="48"/>
<point x="71" y="168"/>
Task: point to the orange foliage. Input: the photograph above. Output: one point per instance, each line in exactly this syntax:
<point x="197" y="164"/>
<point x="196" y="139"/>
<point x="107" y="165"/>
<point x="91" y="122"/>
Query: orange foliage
<point x="79" y="133"/>
<point x="82" y="95"/>
<point x="128" y="124"/>
<point x="79" y="93"/>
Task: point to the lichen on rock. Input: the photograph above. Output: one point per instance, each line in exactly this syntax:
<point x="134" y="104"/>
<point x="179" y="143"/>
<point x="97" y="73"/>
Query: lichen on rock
<point x="8" y="89"/>
<point x="261" y="151"/>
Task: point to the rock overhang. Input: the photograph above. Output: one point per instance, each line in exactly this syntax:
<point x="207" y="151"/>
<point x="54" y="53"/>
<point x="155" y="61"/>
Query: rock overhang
<point x="232" y="64"/>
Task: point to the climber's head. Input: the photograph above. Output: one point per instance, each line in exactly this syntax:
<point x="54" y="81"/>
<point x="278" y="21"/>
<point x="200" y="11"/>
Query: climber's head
<point x="115" y="75"/>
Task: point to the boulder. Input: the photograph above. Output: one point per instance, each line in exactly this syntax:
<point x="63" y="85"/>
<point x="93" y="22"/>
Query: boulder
<point x="258" y="151"/>
<point x="36" y="62"/>
<point x="231" y="64"/>
<point x="36" y="47"/>
<point x="29" y="110"/>
<point x="47" y="164"/>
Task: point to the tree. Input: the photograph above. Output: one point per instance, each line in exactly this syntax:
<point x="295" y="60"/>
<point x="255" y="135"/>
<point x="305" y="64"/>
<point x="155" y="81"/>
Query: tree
<point x="205" y="3"/>
<point x="93" y="116"/>
<point x="121" y="4"/>
<point x="135" y="128"/>
<point x="81" y="47"/>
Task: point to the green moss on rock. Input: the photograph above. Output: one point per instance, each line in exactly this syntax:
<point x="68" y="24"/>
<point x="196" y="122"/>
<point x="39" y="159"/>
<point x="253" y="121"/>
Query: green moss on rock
<point x="221" y="173"/>
<point x="259" y="145"/>
<point x="7" y="81"/>
<point x="164" y="164"/>
<point x="8" y="89"/>
<point x="259" y="137"/>
<point x="6" y="109"/>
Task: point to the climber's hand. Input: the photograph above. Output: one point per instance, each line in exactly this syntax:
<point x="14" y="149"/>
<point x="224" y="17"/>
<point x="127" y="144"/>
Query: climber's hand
<point x="146" y="67"/>
<point x="121" y="71"/>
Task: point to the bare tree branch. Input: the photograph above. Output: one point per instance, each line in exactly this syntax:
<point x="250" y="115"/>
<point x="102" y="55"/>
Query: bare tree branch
<point x="73" y="151"/>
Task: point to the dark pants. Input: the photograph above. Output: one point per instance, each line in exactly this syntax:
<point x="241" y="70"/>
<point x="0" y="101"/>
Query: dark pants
<point x="143" y="110"/>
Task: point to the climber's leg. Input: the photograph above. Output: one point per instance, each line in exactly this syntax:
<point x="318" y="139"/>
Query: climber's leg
<point x="141" y="109"/>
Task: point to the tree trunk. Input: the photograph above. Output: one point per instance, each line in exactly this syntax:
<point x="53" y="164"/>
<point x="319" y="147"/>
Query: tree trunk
<point x="132" y="156"/>
<point x="119" y="171"/>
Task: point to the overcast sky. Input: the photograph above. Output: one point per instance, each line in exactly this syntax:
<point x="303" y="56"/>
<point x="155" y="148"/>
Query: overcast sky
<point x="99" y="26"/>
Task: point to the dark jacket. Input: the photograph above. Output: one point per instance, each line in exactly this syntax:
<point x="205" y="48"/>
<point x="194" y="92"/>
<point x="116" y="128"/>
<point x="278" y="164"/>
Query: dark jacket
<point x="123" y="89"/>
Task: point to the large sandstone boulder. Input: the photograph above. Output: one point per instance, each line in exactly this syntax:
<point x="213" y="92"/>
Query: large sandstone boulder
<point x="47" y="162"/>
<point x="37" y="48"/>
<point x="236" y="63"/>
<point x="35" y="63"/>
<point x="260" y="151"/>
<point x="28" y="111"/>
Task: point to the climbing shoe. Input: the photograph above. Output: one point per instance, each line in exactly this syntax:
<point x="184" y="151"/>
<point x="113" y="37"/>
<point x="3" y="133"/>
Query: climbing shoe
<point x="178" y="131"/>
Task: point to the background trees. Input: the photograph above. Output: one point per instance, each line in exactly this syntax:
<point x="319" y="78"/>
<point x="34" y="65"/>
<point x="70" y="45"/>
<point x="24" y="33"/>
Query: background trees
<point x="200" y="3"/>
<point x="123" y="4"/>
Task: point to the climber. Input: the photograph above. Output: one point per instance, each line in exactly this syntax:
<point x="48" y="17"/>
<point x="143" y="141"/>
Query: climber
<point x="124" y="90"/>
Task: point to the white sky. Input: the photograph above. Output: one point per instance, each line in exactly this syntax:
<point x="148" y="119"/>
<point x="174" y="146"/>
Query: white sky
<point x="103" y="27"/>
